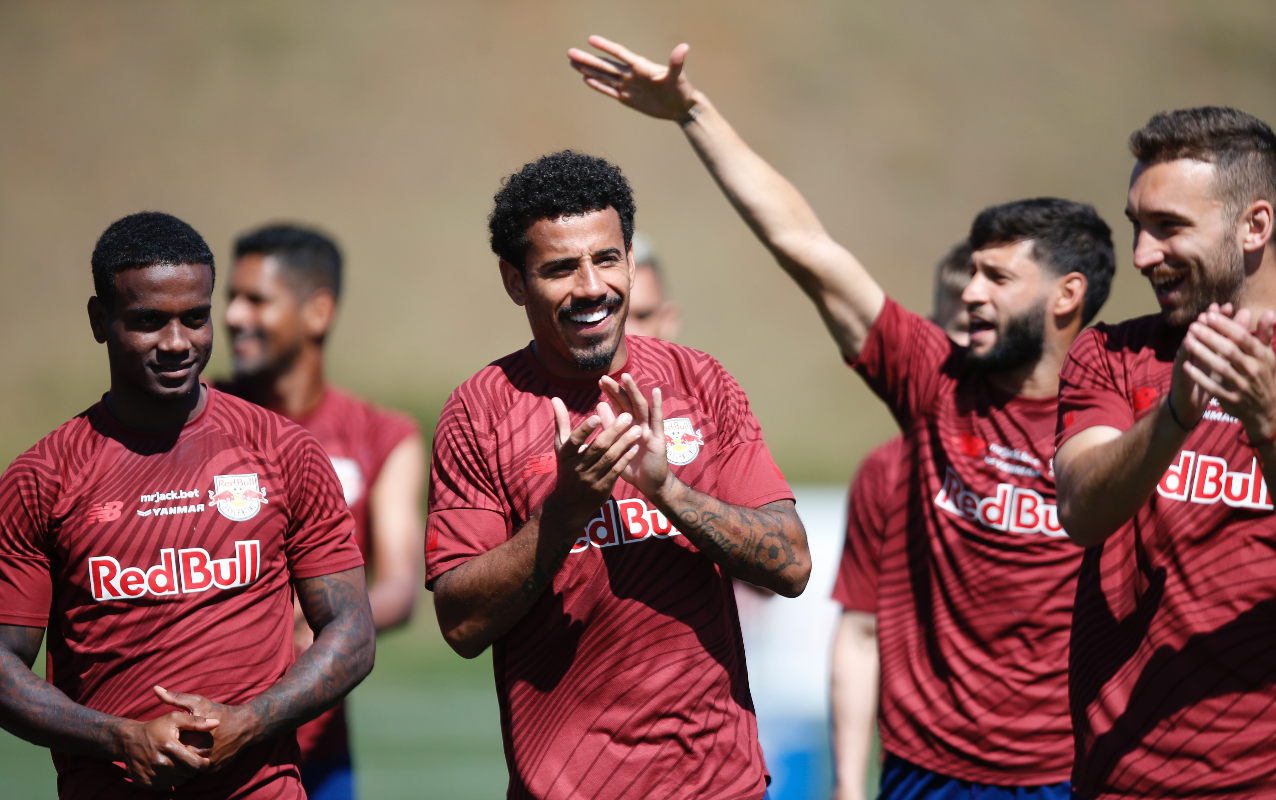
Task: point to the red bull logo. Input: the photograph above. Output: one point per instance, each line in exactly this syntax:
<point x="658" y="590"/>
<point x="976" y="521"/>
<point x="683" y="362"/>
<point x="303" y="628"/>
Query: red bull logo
<point x="179" y="572"/>
<point x="1198" y="478"/>
<point x="237" y="497"/>
<point x="1012" y="508"/>
<point x="624" y="522"/>
<point x="682" y="441"/>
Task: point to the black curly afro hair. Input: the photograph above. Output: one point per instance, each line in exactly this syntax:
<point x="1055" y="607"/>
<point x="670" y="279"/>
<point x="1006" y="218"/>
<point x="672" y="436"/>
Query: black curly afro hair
<point x="143" y="240"/>
<point x="560" y="184"/>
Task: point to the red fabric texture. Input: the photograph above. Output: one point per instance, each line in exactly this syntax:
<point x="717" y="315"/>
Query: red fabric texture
<point x="1172" y="676"/>
<point x="358" y="436"/>
<point x="974" y="596"/>
<point x="171" y="608"/>
<point x="627" y="678"/>
<point x="878" y="498"/>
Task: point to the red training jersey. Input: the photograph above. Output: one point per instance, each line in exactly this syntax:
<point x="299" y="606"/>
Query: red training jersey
<point x="1171" y="681"/>
<point x="877" y="500"/>
<point x="358" y="437"/>
<point x="974" y="598"/>
<point x="166" y="558"/>
<point x="627" y="678"/>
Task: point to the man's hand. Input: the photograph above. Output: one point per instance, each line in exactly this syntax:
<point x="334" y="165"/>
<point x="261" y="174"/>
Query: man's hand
<point x="649" y="471"/>
<point x="234" y="727"/>
<point x="587" y="471"/>
<point x="658" y="91"/>
<point x="1228" y="362"/>
<point x="165" y="752"/>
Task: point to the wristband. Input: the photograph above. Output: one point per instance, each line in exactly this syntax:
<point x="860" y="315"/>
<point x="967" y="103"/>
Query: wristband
<point x="692" y="113"/>
<point x="1174" y="416"/>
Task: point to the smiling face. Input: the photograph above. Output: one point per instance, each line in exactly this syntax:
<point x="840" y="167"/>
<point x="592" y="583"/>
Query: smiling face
<point x="1006" y="300"/>
<point x="575" y="286"/>
<point x="159" y="333"/>
<point x="263" y="318"/>
<point x="1184" y="243"/>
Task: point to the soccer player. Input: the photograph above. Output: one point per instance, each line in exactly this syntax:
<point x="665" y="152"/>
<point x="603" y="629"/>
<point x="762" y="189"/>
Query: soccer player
<point x="651" y="312"/>
<point x="875" y="506"/>
<point x="284" y="290"/>
<point x="1167" y="426"/>
<point x="591" y="495"/>
<point x="159" y="537"/>
<point x="974" y="597"/>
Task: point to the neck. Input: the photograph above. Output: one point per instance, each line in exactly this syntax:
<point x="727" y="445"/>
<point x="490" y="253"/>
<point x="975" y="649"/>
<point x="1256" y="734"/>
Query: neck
<point x="1037" y="380"/>
<point x="140" y="411"/>
<point x="1259" y="292"/>
<point x="294" y="392"/>
<point x="558" y="366"/>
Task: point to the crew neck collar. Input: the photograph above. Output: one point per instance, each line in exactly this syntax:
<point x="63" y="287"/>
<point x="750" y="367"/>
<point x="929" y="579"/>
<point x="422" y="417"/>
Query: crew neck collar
<point x="578" y="384"/>
<point x="209" y="399"/>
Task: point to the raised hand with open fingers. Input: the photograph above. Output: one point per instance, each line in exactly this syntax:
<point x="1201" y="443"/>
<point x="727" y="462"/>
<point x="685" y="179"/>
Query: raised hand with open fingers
<point x="661" y="91"/>
<point x="1236" y="366"/>
<point x="588" y="470"/>
<point x="649" y="471"/>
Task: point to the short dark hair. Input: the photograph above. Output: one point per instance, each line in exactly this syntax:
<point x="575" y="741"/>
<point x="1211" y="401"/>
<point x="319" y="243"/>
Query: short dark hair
<point x="310" y="258"/>
<point x="143" y="240"/>
<point x="1241" y="147"/>
<point x="1066" y="237"/>
<point x="560" y="184"/>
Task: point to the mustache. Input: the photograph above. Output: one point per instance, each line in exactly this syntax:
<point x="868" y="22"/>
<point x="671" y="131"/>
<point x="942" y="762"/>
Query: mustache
<point x="577" y="306"/>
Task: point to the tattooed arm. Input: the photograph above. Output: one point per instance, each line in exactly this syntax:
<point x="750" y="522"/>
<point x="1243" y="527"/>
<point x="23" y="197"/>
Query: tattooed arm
<point x="481" y="600"/>
<point x="336" y="608"/>
<point x="33" y="709"/>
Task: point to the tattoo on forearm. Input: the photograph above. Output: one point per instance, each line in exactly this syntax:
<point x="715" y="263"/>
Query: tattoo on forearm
<point x="750" y="543"/>
<point x="337" y="609"/>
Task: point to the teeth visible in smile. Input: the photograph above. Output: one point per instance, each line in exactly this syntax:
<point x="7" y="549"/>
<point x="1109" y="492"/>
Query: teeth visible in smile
<point x="589" y="317"/>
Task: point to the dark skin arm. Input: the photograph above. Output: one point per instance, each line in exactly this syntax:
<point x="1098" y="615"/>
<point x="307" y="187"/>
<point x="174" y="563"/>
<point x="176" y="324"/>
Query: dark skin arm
<point x="336" y="607"/>
<point x="34" y="710"/>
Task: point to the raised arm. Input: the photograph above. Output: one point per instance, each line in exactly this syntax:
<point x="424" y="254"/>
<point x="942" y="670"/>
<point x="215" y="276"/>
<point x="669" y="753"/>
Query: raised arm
<point x="847" y="297"/>
<point x="481" y="600"/>
<point x="32" y="709"/>
<point x="336" y="608"/>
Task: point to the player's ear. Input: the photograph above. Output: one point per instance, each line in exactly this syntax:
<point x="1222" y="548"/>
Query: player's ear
<point x="97" y="319"/>
<point x="1256" y="226"/>
<point x="1070" y="294"/>
<point x="318" y="313"/>
<point x="515" y="286"/>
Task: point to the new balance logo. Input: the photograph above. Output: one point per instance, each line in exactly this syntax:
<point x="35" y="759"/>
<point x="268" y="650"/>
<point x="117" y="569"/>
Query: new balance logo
<point x="106" y="512"/>
<point x="624" y="522"/>
<point x="540" y="465"/>
<point x="179" y="572"/>
<point x="1012" y="508"/>
<point x="1198" y="478"/>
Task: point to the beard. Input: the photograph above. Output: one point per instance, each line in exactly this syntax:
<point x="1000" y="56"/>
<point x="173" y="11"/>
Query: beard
<point x="1218" y="279"/>
<point x="1020" y="343"/>
<point x="598" y="351"/>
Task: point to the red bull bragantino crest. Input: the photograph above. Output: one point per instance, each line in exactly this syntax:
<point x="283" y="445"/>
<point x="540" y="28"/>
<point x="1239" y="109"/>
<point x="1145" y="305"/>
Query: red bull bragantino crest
<point x="237" y="497"/>
<point x="682" y="441"/>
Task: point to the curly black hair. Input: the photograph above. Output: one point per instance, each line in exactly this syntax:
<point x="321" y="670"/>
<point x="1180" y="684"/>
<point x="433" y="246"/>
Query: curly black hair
<point x="311" y="259"/>
<point x="560" y="184"/>
<point x="1066" y="237"/>
<point x="143" y="240"/>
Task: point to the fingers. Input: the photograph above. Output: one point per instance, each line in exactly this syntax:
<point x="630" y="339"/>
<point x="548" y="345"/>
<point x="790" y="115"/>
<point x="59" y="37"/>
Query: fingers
<point x="1266" y="323"/>
<point x="189" y="722"/>
<point x="618" y="395"/>
<point x="193" y="703"/>
<point x="614" y="49"/>
<point x="562" y="423"/>
<point x="606" y="414"/>
<point x="641" y="410"/>
<point x="1201" y="379"/>
<point x="603" y="88"/>
<point x="183" y="756"/>
<point x="677" y="59"/>
<point x="593" y="64"/>
<point x="657" y="415"/>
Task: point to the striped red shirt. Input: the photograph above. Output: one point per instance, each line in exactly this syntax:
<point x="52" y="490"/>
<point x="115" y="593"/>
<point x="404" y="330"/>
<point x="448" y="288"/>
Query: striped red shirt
<point x="166" y="558"/>
<point x="878" y="499"/>
<point x="975" y="593"/>
<point x="627" y="678"/>
<point x="1173" y="674"/>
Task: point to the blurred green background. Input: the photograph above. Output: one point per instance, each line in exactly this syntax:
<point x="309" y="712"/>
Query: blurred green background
<point x="391" y="124"/>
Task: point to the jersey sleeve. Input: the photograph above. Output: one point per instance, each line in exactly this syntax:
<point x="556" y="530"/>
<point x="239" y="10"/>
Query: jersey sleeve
<point x="903" y="360"/>
<point x="320" y="538"/>
<point x="27" y="493"/>
<point x="466" y="516"/>
<point x="1090" y="391"/>
<point x="752" y="478"/>
<point x="872" y="501"/>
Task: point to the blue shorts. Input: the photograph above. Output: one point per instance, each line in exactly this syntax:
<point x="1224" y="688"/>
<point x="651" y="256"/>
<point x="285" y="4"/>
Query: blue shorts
<point x="329" y="778"/>
<point x="904" y="781"/>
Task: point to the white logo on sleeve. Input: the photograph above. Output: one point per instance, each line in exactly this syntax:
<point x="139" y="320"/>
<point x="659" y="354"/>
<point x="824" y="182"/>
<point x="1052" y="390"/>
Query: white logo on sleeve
<point x="682" y="441"/>
<point x="237" y="497"/>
